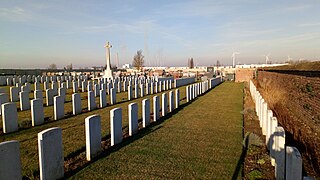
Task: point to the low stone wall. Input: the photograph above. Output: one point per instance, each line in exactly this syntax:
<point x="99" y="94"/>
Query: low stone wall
<point x="158" y="79"/>
<point x="183" y="81"/>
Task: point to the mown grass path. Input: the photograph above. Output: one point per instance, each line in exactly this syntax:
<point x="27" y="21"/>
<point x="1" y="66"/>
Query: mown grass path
<point x="201" y="140"/>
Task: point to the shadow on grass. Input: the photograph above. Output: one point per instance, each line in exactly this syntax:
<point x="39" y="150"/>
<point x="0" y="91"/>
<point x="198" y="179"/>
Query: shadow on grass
<point x="241" y="159"/>
<point x="154" y="126"/>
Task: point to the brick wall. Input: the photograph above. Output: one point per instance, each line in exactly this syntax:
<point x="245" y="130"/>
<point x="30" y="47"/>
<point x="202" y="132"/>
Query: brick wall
<point x="295" y="99"/>
<point x="244" y="75"/>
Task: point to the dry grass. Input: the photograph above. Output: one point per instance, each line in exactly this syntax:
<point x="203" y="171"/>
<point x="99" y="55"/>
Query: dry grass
<point x="302" y="66"/>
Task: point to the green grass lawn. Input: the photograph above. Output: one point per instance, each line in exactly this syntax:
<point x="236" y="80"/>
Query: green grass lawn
<point x="200" y="140"/>
<point x="73" y="131"/>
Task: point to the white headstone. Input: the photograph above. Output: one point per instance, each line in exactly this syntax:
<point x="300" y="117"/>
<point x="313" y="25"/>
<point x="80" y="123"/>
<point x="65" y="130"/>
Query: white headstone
<point x="293" y="163"/>
<point x="91" y="101"/>
<point x="10" y="163"/>
<point x="280" y="153"/>
<point x="151" y="88"/>
<point x="38" y="94"/>
<point x="24" y="100"/>
<point x="96" y="90"/>
<point x="164" y="108"/>
<point x="9" y="117"/>
<point x="160" y="86"/>
<point x="37" y="86"/>
<point x="84" y="86"/>
<point x="119" y="87"/>
<point x="177" y="98"/>
<point x="268" y="127"/>
<point x="54" y="87"/>
<point x="133" y="118"/>
<point x="113" y="96"/>
<point x="76" y="104"/>
<point x="4" y="98"/>
<point x="156" y="87"/>
<point x="49" y="97"/>
<point x="145" y="112"/>
<point x="171" y="101"/>
<point x="62" y="92"/>
<point x="37" y="113"/>
<point x="129" y="93"/>
<point x="75" y="86"/>
<point x="68" y="84"/>
<point x="187" y="93"/>
<point x="156" y="108"/>
<point x="93" y="136"/>
<point x="46" y="85"/>
<point x="272" y="144"/>
<point x="116" y="126"/>
<point x="14" y="94"/>
<point x="136" y="91"/>
<point x="51" y="154"/>
<point x="142" y="90"/>
<point x="147" y="88"/>
<point x="103" y="98"/>
<point x="58" y="107"/>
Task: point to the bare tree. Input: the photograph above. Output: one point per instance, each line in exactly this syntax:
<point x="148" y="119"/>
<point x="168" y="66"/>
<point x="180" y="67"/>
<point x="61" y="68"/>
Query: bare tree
<point x="218" y="63"/>
<point x="52" y="66"/>
<point x="138" y="60"/>
<point x="191" y="63"/>
<point x="69" y="67"/>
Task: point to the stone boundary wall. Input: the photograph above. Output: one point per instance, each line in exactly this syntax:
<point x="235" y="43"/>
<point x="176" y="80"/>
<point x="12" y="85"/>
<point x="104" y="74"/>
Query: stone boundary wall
<point x="158" y="79"/>
<point x="183" y="81"/>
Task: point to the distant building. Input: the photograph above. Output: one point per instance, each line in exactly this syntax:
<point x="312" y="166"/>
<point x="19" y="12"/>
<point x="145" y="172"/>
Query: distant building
<point x="127" y="66"/>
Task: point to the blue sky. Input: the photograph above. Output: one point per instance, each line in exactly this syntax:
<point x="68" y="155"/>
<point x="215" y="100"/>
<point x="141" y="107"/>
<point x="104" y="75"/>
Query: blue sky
<point x="34" y="34"/>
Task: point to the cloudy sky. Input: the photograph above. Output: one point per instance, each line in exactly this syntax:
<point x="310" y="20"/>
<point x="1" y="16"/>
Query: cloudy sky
<point x="34" y="34"/>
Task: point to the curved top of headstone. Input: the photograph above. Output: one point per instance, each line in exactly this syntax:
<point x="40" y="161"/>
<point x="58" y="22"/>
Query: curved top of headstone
<point x="49" y="132"/>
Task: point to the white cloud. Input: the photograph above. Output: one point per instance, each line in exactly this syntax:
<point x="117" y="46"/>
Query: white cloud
<point x="308" y="24"/>
<point x="14" y="14"/>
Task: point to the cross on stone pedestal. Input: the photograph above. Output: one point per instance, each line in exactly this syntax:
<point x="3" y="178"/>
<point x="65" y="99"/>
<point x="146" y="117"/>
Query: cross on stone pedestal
<point x="108" y="72"/>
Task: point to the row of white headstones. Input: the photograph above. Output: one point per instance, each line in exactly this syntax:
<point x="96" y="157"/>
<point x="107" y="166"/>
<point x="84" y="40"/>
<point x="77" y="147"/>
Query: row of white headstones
<point x="9" y="110"/>
<point x="286" y="159"/>
<point x="51" y="160"/>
